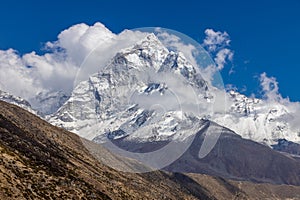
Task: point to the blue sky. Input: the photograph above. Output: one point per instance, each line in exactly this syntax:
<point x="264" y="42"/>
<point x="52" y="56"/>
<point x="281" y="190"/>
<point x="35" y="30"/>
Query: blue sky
<point x="264" y="34"/>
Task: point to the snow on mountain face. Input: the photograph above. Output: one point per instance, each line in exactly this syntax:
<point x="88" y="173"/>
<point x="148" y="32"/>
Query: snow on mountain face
<point x="49" y="102"/>
<point x="259" y="120"/>
<point x="131" y="97"/>
<point x="4" y="96"/>
<point x="145" y="92"/>
<point x="42" y="105"/>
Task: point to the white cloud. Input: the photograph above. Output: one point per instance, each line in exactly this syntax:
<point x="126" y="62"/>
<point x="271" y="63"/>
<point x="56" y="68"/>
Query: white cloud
<point x="173" y="42"/>
<point x="270" y="87"/>
<point x="222" y="56"/>
<point x="30" y="74"/>
<point x="15" y="77"/>
<point x="80" y="47"/>
<point x="80" y="39"/>
<point x="215" y="40"/>
<point x="179" y="95"/>
<point x="208" y="63"/>
<point x="217" y="43"/>
<point x="87" y="49"/>
<point x="82" y="50"/>
<point x="100" y="54"/>
<point x="274" y="100"/>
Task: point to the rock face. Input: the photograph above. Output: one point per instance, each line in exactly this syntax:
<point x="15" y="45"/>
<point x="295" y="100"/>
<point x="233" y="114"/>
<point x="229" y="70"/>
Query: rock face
<point x="40" y="161"/>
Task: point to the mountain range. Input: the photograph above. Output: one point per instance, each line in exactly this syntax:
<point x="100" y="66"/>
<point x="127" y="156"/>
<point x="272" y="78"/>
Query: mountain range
<point x="41" y="161"/>
<point x="147" y="70"/>
<point x="153" y="104"/>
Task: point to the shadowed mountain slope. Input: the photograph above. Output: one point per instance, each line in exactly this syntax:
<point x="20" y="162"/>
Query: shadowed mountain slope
<point x="40" y="161"/>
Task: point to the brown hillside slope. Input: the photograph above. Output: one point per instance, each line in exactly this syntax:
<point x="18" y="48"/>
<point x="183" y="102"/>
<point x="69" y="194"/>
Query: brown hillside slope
<point x="40" y="161"/>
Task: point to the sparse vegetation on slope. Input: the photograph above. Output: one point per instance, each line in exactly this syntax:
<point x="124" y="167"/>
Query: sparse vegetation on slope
<point x="40" y="161"/>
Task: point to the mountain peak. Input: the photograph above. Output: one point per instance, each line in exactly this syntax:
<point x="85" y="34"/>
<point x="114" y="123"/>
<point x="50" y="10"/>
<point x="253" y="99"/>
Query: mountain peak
<point x="146" y="70"/>
<point x="148" y="52"/>
<point x="150" y="39"/>
<point x="148" y="42"/>
<point x="106" y="96"/>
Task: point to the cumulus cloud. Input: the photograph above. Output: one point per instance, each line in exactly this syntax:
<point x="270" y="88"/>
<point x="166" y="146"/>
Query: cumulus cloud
<point x="82" y="50"/>
<point x="31" y="74"/>
<point x="91" y="47"/>
<point x="99" y="55"/>
<point x="15" y="77"/>
<point x="79" y="51"/>
<point x="80" y="39"/>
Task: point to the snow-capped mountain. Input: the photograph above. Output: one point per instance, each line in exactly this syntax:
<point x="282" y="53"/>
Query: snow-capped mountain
<point x="259" y="120"/>
<point x="4" y="96"/>
<point x="143" y="93"/>
<point x="146" y="93"/>
<point x="42" y="104"/>
<point x="152" y="103"/>
<point x="48" y="102"/>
